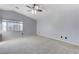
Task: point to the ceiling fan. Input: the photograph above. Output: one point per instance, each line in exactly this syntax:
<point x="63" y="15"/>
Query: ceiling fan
<point x="34" y="8"/>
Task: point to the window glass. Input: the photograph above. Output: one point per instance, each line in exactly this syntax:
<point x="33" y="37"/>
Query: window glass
<point x="12" y="25"/>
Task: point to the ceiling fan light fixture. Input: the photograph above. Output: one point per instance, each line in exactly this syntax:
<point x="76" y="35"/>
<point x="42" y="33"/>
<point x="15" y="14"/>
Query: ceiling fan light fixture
<point x="36" y="7"/>
<point x="34" y="12"/>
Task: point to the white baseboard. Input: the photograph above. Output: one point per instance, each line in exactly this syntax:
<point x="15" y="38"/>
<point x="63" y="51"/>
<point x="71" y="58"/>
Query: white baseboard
<point x="69" y="42"/>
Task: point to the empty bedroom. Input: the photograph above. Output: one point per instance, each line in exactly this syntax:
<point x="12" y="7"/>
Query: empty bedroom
<point x="39" y="28"/>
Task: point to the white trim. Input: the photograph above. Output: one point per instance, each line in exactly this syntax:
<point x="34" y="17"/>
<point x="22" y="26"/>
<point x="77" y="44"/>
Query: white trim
<point x="69" y="42"/>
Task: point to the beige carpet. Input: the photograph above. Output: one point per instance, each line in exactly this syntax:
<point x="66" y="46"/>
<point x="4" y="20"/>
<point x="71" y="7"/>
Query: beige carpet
<point x="37" y="45"/>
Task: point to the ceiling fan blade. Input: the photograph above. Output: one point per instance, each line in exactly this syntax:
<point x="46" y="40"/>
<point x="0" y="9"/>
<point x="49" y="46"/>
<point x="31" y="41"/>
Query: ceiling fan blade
<point x="34" y="5"/>
<point x="39" y="10"/>
<point x="28" y="6"/>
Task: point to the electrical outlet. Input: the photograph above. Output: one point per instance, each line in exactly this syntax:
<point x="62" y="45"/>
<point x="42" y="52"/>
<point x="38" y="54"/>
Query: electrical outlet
<point x="61" y="36"/>
<point x="65" y="37"/>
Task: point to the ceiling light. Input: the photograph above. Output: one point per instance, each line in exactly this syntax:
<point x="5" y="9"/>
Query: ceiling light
<point x="34" y="12"/>
<point x="34" y="8"/>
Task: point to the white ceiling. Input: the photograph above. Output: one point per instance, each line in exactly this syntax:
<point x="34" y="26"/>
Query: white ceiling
<point x="48" y="9"/>
<point x="23" y="10"/>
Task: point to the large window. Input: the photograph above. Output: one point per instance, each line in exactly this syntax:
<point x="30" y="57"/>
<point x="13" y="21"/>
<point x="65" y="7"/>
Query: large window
<point x="9" y="25"/>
